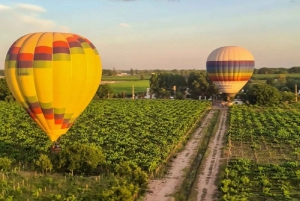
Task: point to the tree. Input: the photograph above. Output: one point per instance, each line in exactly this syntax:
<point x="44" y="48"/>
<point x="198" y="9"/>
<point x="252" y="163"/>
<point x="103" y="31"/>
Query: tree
<point x="142" y="76"/>
<point x="44" y="163"/>
<point x="264" y="94"/>
<point x="131" y="72"/>
<point x="81" y="158"/>
<point x="5" y="93"/>
<point x="5" y="163"/>
<point x="287" y="96"/>
<point x="199" y="84"/>
<point x="162" y="84"/>
<point x="270" y="81"/>
<point x="105" y="91"/>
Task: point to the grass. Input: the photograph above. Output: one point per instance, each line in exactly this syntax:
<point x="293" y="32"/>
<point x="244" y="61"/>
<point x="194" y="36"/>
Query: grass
<point x="139" y="86"/>
<point x="124" y="78"/>
<point x="192" y="173"/>
<point x="267" y="76"/>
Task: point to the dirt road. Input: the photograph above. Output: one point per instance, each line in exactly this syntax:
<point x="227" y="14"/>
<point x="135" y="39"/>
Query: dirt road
<point x="206" y="182"/>
<point x="162" y="189"/>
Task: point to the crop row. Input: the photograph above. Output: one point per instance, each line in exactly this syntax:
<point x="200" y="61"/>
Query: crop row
<point x="262" y="143"/>
<point x="142" y="132"/>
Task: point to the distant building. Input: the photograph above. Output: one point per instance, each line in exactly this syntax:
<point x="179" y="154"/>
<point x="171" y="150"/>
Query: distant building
<point x="148" y="94"/>
<point x="122" y="74"/>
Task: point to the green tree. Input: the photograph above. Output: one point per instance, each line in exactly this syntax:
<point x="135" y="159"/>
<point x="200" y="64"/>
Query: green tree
<point x="142" y="76"/>
<point x="5" y="93"/>
<point x="79" y="157"/>
<point x="44" y="163"/>
<point x="270" y="81"/>
<point x="264" y="94"/>
<point x="162" y="84"/>
<point x="5" y="163"/>
<point x="200" y="85"/>
<point x="131" y="72"/>
<point x="105" y="91"/>
<point x="287" y="96"/>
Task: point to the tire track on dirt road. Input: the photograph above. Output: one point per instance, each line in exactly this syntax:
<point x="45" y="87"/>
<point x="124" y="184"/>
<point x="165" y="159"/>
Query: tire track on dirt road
<point x="162" y="189"/>
<point x="206" y="187"/>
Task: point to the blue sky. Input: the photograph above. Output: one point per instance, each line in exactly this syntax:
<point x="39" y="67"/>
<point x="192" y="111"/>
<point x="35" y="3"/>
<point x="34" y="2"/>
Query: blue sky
<point x="163" y="34"/>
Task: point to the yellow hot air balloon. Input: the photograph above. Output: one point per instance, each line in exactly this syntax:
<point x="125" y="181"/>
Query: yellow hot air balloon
<point x="230" y="68"/>
<point x="53" y="76"/>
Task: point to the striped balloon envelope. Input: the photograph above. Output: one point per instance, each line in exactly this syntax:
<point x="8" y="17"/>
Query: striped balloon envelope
<point x="53" y="76"/>
<point x="230" y="68"/>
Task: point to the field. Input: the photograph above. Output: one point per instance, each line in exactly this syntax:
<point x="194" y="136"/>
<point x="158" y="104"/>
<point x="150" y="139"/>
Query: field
<point x="139" y="86"/>
<point x="264" y="154"/>
<point x="268" y="76"/>
<point x="136" y="137"/>
<point x="124" y="78"/>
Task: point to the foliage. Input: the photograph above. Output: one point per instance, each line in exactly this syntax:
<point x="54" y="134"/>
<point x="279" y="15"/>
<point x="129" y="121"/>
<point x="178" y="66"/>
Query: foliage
<point x="264" y="94"/>
<point x="104" y="91"/>
<point x="199" y="84"/>
<point x="44" y="163"/>
<point x="5" y="163"/>
<point x="135" y="136"/>
<point x="80" y="158"/>
<point x="264" y="154"/>
<point x="5" y="93"/>
<point x="162" y="84"/>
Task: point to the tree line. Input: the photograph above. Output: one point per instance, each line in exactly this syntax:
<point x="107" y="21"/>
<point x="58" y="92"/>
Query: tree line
<point x="265" y="70"/>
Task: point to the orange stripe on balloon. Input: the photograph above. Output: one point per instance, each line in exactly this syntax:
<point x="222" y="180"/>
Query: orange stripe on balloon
<point x="60" y="44"/>
<point x="49" y="116"/>
<point x="36" y="110"/>
<point x="14" y="50"/>
<point x="25" y="56"/>
<point x="43" y="49"/>
<point x="58" y="121"/>
<point x="64" y="126"/>
<point x="71" y="39"/>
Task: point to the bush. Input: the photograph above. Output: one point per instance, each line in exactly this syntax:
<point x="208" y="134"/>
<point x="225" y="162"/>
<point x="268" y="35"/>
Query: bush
<point x="79" y="158"/>
<point x="5" y="163"/>
<point x="44" y="163"/>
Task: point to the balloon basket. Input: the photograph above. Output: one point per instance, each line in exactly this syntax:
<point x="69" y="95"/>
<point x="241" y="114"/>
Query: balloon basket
<point x="55" y="149"/>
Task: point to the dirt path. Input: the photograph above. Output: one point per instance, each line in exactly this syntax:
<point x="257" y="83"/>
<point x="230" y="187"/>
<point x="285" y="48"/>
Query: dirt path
<point x="161" y="189"/>
<point x="206" y="183"/>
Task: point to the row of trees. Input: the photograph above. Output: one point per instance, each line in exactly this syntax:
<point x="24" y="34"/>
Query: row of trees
<point x="265" y="94"/>
<point x="5" y="93"/>
<point x="197" y="84"/>
<point x="265" y="70"/>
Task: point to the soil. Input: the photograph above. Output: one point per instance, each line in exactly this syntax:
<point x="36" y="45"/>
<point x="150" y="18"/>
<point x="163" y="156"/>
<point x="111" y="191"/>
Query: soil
<point x="162" y="189"/>
<point x="207" y="190"/>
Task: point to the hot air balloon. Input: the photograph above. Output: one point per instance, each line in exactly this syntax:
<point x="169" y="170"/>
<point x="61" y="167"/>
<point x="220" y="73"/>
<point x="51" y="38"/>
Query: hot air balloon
<point x="53" y="76"/>
<point x="230" y="68"/>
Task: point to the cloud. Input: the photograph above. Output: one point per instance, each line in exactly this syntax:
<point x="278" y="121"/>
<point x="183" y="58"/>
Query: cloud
<point x="31" y="7"/>
<point x="124" y="25"/>
<point x="3" y="7"/>
<point x="138" y="0"/>
<point x="20" y="19"/>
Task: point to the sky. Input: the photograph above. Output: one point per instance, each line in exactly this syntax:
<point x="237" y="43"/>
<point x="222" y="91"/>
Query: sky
<point x="163" y="34"/>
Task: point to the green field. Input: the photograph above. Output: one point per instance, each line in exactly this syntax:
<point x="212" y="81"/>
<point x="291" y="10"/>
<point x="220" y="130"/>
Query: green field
<point x="263" y="145"/>
<point x="124" y="78"/>
<point x="139" y="86"/>
<point x="268" y="76"/>
<point x="135" y="136"/>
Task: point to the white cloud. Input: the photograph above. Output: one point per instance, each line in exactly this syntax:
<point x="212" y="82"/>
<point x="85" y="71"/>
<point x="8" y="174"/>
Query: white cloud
<point x="3" y="7"/>
<point x="31" y="7"/>
<point x="124" y="25"/>
<point x="15" y="24"/>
